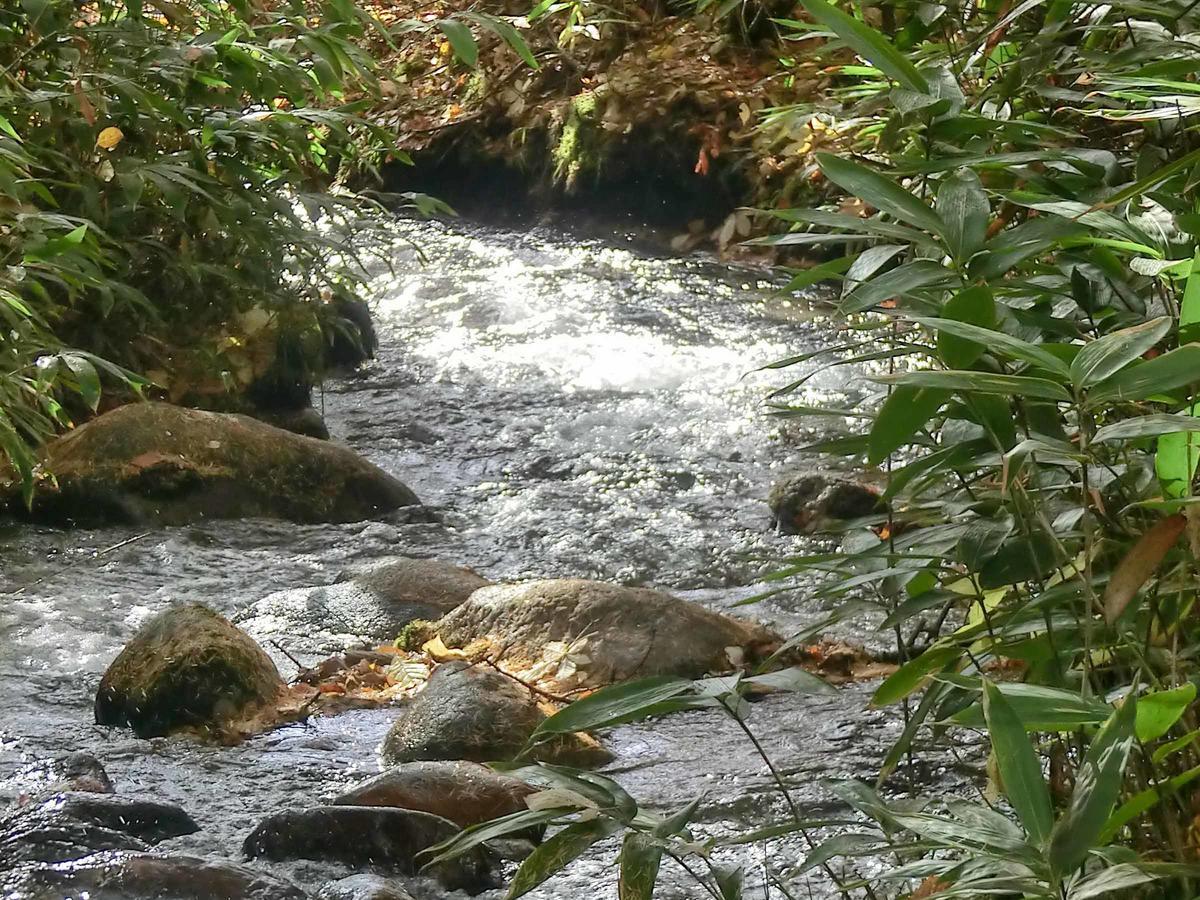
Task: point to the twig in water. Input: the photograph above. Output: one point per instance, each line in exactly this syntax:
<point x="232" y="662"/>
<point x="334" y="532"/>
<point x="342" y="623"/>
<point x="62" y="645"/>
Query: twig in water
<point x="295" y="662"/>
<point x="117" y="546"/>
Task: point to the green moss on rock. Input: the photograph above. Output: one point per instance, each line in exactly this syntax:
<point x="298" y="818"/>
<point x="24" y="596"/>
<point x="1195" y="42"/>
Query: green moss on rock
<point x="158" y="463"/>
<point x="188" y="667"/>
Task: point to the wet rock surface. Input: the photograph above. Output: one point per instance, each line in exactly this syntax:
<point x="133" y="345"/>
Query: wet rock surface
<point x="68" y="826"/>
<point x="805" y="502"/>
<point x="376" y="836"/>
<point x="373" y="603"/>
<point x="188" y="667"/>
<point x="475" y="713"/>
<point x="306" y="421"/>
<point x="572" y="633"/>
<point x="140" y="876"/>
<point x="158" y="463"/>
<point x="466" y="793"/>
<point x="363" y="887"/>
<point x="78" y="771"/>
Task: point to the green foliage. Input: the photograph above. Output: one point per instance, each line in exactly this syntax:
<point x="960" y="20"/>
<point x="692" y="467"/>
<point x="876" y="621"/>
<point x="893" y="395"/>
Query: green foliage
<point x="1038" y="308"/>
<point x="161" y="168"/>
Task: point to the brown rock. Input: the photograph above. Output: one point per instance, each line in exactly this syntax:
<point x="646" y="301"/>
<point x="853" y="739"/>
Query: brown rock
<point x="157" y="463"/>
<point x="574" y="633"/>
<point x="466" y="793"/>
<point x="188" y="667"/>
<point x="144" y="876"/>
<point x="361" y="835"/>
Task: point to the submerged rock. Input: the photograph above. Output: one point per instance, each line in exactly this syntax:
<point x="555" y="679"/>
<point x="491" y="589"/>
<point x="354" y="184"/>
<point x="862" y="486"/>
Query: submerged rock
<point x="466" y="793"/>
<point x="576" y="633"/>
<point x="363" y="887"/>
<point x="305" y="420"/>
<point x="79" y="771"/>
<point x="351" y="339"/>
<point x="142" y="876"/>
<point x="478" y="714"/>
<point x="153" y="462"/>
<point x="372" y="604"/>
<point x="360" y="835"/>
<point x="145" y="818"/>
<point x="803" y="502"/>
<point x="72" y="825"/>
<point x="186" y="667"/>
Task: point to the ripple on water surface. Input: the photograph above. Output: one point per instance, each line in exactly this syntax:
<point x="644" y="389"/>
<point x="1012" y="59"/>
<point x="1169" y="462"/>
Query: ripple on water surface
<point x="570" y="410"/>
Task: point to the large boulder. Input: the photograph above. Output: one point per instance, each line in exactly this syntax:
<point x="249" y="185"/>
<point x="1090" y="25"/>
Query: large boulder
<point x="144" y="876"/>
<point x="475" y="713"/>
<point x="571" y="633"/>
<point x="380" y="836"/>
<point x="158" y="463"/>
<point x="188" y="667"/>
<point x="807" y="501"/>
<point x="372" y="604"/>
<point x="466" y="793"/>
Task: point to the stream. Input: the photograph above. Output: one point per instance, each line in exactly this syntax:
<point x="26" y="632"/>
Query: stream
<point x="567" y="408"/>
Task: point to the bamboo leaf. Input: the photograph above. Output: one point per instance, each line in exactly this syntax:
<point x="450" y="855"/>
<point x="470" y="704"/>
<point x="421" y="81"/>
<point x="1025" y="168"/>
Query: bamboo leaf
<point x="1153" y="425"/>
<point x="617" y="704"/>
<point x="1149" y="378"/>
<point x="550" y="857"/>
<point x="638" y="865"/>
<point x="983" y="382"/>
<point x="963" y="208"/>
<point x="1097" y="787"/>
<point x="998" y="342"/>
<point x="1020" y="769"/>
<point x="1158" y="712"/>
<point x="901" y="416"/>
<point x="869" y="44"/>
<point x="878" y="190"/>
<point x="1142" y="561"/>
<point x="461" y="40"/>
<point x="1110" y="354"/>
<point x="973" y="306"/>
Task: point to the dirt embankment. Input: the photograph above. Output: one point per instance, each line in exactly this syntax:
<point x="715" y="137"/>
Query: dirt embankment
<point x="632" y="115"/>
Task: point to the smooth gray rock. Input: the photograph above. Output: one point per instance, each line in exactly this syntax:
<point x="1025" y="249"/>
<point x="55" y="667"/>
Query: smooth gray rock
<point x="363" y="887"/>
<point x="473" y="713"/>
<point x="373" y="604"/>
<point x="76" y="824"/>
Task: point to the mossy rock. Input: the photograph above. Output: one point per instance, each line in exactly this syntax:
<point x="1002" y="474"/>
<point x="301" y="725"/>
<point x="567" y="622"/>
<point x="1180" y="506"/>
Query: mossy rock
<point x="158" y="463"/>
<point x="807" y="501"/>
<point x="188" y="667"/>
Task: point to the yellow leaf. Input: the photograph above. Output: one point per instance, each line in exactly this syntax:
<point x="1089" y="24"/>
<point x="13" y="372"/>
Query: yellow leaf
<point x="109" y="138"/>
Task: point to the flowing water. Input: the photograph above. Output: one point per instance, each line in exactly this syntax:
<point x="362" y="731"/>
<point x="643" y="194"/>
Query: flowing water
<point x="568" y="409"/>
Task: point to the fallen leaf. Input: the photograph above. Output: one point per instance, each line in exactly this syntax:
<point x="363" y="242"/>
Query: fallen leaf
<point x="1142" y="560"/>
<point x="85" y="105"/>
<point x="109" y="138"/>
